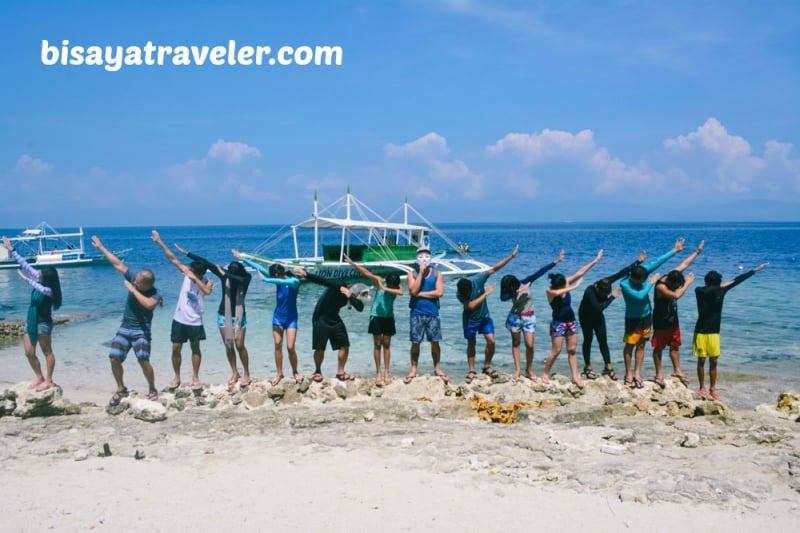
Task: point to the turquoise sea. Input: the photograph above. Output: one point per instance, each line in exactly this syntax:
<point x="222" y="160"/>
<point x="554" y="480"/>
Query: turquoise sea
<point x="760" y="330"/>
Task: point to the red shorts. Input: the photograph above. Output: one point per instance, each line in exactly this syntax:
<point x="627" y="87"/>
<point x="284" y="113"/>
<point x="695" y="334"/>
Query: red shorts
<point x="663" y="338"/>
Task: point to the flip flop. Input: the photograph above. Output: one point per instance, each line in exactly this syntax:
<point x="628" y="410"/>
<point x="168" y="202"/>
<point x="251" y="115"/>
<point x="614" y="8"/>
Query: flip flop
<point x="610" y="373"/>
<point x="344" y="376"/>
<point x="714" y="396"/>
<point x="244" y="383"/>
<point x="470" y="376"/>
<point x="444" y="377"/>
<point x="276" y="380"/>
<point x="703" y="394"/>
<point x="299" y="379"/>
<point x="317" y="377"/>
<point x="683" y="379"/>
<point x="660" y="383"/>
<point x="408" y="379"/>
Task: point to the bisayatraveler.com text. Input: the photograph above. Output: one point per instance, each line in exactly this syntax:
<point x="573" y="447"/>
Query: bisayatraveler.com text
<point x="114" y="57"/>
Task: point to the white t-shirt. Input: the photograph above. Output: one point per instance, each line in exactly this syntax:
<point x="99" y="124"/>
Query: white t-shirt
<point x="189" y="310"/>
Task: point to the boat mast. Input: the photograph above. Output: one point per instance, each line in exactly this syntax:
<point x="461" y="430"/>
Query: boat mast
<point x="316" y="225"/>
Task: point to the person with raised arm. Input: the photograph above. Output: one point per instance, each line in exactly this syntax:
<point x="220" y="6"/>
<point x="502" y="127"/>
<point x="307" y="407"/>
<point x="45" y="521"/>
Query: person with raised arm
<point x="326" y="323"/>
<point x="591" y="317"/>
<point x="381" y="318"/>
<point x="45" y="296"/>
<point x="563" y="323"/>
<point x="284" y="317"/>
<point x="706" y="343"/>
<point x="231" y="314"/>
<point x="638" y="314"/>
<point x="135" y="329"/>
<point x="521" y="318"/>
<point x="666" y="330"/>
<point x="476" y="318"/>
<point x="187" y="321"/>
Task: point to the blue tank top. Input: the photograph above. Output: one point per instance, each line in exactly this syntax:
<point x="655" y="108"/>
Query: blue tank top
<point x="426" y="306"/>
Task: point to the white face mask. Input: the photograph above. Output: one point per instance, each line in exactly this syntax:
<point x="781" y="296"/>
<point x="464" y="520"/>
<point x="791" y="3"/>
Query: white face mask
<point x="423" y="259"/>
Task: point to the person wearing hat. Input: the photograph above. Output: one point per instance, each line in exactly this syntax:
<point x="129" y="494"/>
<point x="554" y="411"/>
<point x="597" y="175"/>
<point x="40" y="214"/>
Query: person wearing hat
<point x="706" y="344"/>
<point x="475" y="317"/>
<point x="327" y="325"/>
<point x="425" y="286"/>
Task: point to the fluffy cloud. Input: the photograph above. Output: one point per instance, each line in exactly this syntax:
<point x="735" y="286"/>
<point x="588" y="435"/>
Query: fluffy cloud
<point x="534" y="148"/>
<point x="429" y="146"/>
<point x="232" y="152"/>
<point x="31" y="166"/>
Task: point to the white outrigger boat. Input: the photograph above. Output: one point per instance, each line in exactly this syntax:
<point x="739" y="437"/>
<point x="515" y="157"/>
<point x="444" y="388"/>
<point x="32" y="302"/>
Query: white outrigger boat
<point x="377" y="243"/>
<point x="43" y="246"/>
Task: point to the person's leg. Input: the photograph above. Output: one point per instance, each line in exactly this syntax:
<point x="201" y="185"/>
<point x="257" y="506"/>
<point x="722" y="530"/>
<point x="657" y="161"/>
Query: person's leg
<point x="712" y="378"/>
<point x="377" y="348"/>
<point x="197" y="356"/>
<point x="118" y="372"/>
<point x="657" y="352"/>
<point x="488" y="351"/>
<point x="319" y="356"/>
<point x="529" y="337"/>
<point x="587" y="329"/>
<point x="176" y="364"/>
<point x="387" y="357"/>
<point x="471" y="354"/>
<point x="244" y="357"/>
<point x="701" y="376"/>
<point x="33" y="361"/>
<point x="601" y="333"/>
<point x="637" y="371"/>
<point x="46" y="344"/>
<point x="436" y="355"/>
<point x="516" y="339"/>
<point x="277" y="339"/>
<point x="556" y="345"/>
<point x="572" y="359"/>
<point x="414" y="354"/>
<point x="341" y="361"/>
<point x="291" y="338"/>
<point x="627" y="353"/>
<point x="675" y="357"/>
<point x="149" y="375"/>
<point x="230" y="353"/>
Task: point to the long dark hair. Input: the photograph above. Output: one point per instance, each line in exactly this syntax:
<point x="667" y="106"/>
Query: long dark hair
<point x="557" y="281"/>
<point x="49" y="278"/>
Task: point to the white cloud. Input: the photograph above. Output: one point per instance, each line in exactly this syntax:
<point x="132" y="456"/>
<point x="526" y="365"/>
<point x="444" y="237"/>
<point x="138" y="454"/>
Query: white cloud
<point x="429" y="146"/>
<point x="187" y="176"/>
<point x="31" y="166"/>
<point x="737" y="169"/>
<point x="232" y="152"/>
<point x="535" y="148"/>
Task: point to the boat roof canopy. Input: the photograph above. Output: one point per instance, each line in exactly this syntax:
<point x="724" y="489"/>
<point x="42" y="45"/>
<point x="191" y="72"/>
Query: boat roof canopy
<point x="325" y="222"/>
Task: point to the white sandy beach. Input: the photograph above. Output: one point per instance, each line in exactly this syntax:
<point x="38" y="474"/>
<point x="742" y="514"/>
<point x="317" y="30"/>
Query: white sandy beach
<point x="350" y="457"/>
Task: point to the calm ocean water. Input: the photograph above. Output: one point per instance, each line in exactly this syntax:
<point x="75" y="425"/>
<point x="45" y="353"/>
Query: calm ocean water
<point x="760" y="333"/>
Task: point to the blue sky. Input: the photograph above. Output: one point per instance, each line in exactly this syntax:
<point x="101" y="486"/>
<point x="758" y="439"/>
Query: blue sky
<point x="475" y="110"/>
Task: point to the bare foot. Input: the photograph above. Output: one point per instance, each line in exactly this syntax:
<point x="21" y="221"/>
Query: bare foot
<point x="44" y="385"/>
<point x="515" y="377"/>
<point x="545" y="379"/>
<point x="578" y="382"/>
<point x="34" y="384"/>
<point x="379" y="381"/>
<point x="298" y="378"/>
<point x="274" y="381"/>
<point x="233" y="380"/>
<point x="387" y="379"/>
<point x="245" y="382"/>
<point x="531" y="375"/>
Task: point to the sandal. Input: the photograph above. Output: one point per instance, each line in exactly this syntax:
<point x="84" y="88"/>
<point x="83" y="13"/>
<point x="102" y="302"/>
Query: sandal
<point x="470" y="376"/>
<point x="714" y="396"/>
<point x="588" y="373"/>
<point x="152" y="396"/>
<point x="610" y="373"/>
<point x="660" y="383"/>
<point x="444" y="377"/>
<point x="638" y="383"/>
<point x="317" y="377"/>
<point x="491" y="372"/>
<point x="682" y="378"/>
<point x="118" y="396"/>
<point x="299" y="379"/>
<point x="344" y="376"/>
<point x="629" y="383"/>
<point x="409" y="378"/>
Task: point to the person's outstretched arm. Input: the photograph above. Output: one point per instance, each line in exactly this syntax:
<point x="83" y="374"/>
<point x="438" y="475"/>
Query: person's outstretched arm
<point x="121" y="267"/>
<point x="503" y="262"/>
<point x="688" y="261"/>
<point x="585" y="268"/>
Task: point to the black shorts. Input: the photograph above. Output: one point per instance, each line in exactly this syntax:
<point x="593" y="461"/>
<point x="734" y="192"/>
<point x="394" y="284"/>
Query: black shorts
<point x="324" y="330"/>
<point x="382" y="325"/>
<point x="181" y="333"/>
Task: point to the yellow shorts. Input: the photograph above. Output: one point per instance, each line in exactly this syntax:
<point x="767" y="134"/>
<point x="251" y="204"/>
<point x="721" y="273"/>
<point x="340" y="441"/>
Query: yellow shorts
<point x="706" y="345"/>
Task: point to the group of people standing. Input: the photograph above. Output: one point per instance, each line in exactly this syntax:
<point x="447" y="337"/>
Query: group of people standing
<point x="657" y="323"/>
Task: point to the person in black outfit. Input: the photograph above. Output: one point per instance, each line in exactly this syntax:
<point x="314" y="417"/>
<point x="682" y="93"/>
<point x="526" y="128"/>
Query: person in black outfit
<point x="596" y="298"/>
<point x="327" y="325"/>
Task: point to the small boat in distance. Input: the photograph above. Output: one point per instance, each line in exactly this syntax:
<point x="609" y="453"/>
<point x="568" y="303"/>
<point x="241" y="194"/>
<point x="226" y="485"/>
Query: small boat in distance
<point x="349" y="227"/>
<point x="43" y="246"/>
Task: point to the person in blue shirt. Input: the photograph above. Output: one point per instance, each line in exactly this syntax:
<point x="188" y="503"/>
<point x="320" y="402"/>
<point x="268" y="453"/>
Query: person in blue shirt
<point x="638" y="313"/>
<point x="476" y="318"/>
<point x="284" y="317"/>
